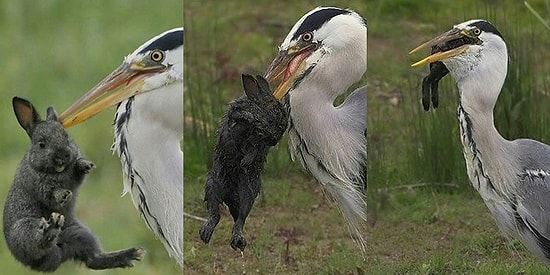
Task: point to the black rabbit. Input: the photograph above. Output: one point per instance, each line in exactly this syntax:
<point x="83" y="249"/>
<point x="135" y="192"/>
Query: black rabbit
<point x="253" y="123"/>
<point x="40" y="225"/>
<point x="430" y="83"/>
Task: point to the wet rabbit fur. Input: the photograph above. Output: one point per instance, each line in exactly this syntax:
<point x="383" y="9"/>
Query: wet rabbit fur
<point x="253" y="123"/>
<point x="40" y="225"/>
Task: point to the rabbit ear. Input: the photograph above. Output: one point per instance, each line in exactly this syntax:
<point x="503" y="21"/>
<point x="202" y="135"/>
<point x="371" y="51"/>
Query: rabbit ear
<point x="263" y="85"/>
<point x="51" y="114"/>
<point x="26" y="114"/>
<point x="251" y="88"/>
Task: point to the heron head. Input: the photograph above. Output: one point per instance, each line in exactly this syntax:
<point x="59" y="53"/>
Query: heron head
<point x="466" y="48"/>
<point x="155" y="64"/>
<point x="320" y="32"/>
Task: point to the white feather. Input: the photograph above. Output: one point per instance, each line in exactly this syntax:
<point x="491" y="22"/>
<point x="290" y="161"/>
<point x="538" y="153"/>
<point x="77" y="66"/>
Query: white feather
<point x="330" y="141"/>
<point x="155" y="162"/>
<point x="147" y="140"/>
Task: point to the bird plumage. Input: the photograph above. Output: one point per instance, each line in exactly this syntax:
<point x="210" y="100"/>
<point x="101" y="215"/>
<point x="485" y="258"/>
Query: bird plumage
<point x="510" y="176"/>
<point x="148" y="130"/>
<point x="151" y="161"/>
<point x="148" y="126"/>
<point x="340" y="169"/>
<point x="330" y="140"/>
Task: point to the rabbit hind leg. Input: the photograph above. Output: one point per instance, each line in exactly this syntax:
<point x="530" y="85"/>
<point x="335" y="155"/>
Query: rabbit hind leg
<point x="33" y="241"/>
<point x="79" y="243"/>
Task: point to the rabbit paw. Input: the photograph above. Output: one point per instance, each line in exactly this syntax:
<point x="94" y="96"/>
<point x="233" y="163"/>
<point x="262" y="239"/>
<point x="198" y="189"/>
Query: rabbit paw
<point x="121" y="258"/>
<point x="206" y="233"/>
<point x="138" y="254"/>
<point x="48" y="230"/>
<point x="238" y="242"/>
<point x="85" y="165"/>
<point x="56" y="220"/>
<point x="132" y="254"/>
<point x="208" y="227"/>
<point x="62" y="196"/>
<point x="43" y="225"/>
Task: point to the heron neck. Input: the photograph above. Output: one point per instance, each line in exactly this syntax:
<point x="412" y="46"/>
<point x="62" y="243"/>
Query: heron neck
<point x="320" y="126"/>
<point x="478" y="128"/>
<point x="155" y="152"/>
<point x="335" y="72"/>
<point x="153" y="135"/>
<point x="147" y="140"/>
<point x="488" y="155"/>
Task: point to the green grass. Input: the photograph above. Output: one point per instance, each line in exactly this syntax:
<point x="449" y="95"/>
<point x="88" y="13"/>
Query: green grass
<point x="224" y="40"/>
<point x="423" y="231"/>
<point x="443" y="227"/>
<point x="292" y="211"/>
<point x="53" y="52"/>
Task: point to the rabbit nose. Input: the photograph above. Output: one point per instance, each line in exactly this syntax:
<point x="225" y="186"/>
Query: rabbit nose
<point x="61" y="157"/>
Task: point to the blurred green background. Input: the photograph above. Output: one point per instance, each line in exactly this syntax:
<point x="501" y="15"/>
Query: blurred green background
<point x="293" y="227"/>
<point x="425" y="216"/>
<point x="53" y="52"/>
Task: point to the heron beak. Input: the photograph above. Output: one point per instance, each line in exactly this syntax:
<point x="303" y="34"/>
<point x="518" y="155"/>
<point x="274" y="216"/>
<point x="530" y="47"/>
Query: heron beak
<point x="290" y="63"/>
<point x="124" y="82"/>
<point x="452" y="35"/>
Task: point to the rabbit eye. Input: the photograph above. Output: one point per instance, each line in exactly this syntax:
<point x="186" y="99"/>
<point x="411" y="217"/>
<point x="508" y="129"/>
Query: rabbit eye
<point x="41" y="144"/>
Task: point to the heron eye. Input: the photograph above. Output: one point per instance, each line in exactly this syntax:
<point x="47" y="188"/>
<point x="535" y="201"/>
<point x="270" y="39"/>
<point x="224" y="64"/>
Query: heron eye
<point x="157" y="55"/>
<point x="306" y="37"/>
<point x="476" y="31"/>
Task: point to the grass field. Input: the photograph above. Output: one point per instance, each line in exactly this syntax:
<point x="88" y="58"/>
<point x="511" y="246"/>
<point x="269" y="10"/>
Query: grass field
<point x="293" y="228"/>
<point x="425" y="217"/>
<point x="54" y="51"/>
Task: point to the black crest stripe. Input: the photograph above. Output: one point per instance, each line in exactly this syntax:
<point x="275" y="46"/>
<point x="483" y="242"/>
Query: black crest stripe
<point x="487" y="27"/>
<point x="315" y="20"/>
<point x="167" y="42"/>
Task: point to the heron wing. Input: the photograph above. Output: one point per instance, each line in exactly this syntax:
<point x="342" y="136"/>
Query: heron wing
<point x="356" y="104"/>
<point x="331" y="144"/>
<point x="533" y="192"/>
<point x="354" y="111"/>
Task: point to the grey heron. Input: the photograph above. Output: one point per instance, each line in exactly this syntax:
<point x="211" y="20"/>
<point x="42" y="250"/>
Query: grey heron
<point x="324" y="53"/>
<point x="148" y="128"/>
<point x="512" y="177"/>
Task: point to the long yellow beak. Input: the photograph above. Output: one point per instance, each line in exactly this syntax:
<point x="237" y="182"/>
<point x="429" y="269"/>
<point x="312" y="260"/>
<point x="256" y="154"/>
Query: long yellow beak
<point x="124" y="82"/>
<point x="441" y="39"/>
<point x="441" y="55"/>
<point x="289" y="64"/>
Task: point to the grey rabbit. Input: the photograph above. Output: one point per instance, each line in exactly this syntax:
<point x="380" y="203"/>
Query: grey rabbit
<point x="40" y="225"/>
